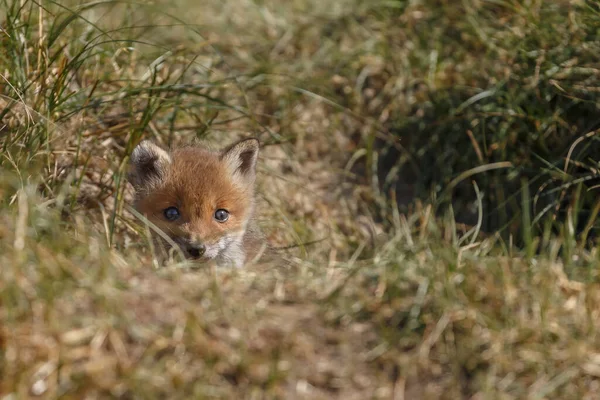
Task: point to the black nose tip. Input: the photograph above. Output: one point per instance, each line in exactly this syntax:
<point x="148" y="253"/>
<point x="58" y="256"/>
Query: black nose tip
<point x="196" y="250"/>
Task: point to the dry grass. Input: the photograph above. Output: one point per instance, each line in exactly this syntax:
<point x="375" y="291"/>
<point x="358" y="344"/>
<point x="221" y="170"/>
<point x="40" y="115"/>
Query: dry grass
<point x="389" y="305"/>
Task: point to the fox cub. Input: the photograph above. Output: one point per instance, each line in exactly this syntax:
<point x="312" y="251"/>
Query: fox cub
<point x="202" y="200"/>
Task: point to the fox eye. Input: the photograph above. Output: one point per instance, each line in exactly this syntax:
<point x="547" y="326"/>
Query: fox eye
<point x="221" y="215"/>
<point x="171" y="213"/>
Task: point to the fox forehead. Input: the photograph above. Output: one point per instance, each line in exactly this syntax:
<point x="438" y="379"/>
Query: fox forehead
<point x="198" y="174"/>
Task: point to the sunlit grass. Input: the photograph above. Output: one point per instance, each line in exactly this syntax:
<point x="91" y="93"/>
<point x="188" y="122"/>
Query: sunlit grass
<point x="484" y="286"/>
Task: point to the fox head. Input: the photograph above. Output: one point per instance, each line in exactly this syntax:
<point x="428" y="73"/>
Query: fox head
<point x="201" y="199"/>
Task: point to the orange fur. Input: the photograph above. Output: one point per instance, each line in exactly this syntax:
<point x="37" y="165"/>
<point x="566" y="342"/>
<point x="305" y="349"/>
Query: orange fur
<point x="198" y="182"/>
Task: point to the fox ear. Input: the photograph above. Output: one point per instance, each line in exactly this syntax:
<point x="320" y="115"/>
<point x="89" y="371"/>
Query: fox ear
<point x="148" y="164"/>
<point x="240" y="159"/>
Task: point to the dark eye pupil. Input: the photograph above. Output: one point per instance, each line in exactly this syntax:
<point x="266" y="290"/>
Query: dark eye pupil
<point x="171" y="213"/>
<point x="221" y="215"/>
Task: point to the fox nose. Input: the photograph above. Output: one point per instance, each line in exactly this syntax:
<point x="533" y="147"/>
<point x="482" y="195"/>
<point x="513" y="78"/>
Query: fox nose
<point x="196" y="250"/>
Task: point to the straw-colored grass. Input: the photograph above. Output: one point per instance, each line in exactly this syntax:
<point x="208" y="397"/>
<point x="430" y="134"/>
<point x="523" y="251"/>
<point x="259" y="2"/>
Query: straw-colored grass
<point x="495" y="105"/>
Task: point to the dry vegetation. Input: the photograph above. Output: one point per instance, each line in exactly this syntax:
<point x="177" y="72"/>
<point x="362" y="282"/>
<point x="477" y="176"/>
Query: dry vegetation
<point x="494" y="103"/>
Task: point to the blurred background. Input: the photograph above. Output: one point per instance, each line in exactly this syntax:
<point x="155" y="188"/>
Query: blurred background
<point x="445" y="103"/>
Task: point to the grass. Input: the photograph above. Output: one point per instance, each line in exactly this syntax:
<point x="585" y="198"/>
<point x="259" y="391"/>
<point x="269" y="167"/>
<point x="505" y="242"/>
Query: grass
<point x="443" y="151"/>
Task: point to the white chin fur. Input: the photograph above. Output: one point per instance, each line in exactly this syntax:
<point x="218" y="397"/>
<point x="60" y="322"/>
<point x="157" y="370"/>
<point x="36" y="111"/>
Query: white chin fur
<point x="227" y="251"/>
